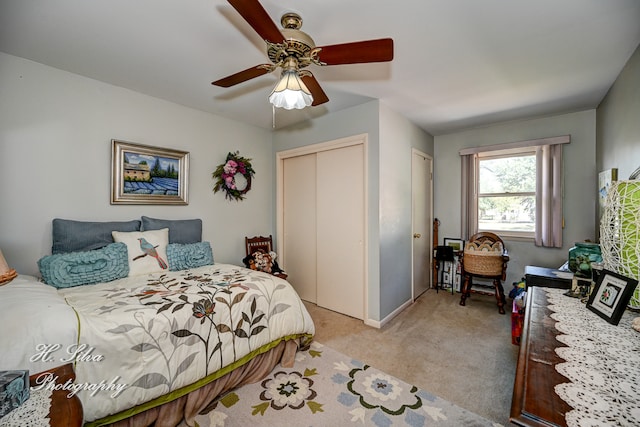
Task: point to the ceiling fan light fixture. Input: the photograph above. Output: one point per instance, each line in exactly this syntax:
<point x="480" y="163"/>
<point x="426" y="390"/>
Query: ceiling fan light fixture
<point x="291" y="92"/>
<point x="292" y="50"/>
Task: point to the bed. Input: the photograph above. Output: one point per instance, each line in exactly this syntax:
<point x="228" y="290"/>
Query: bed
<point x="151" y="347"/>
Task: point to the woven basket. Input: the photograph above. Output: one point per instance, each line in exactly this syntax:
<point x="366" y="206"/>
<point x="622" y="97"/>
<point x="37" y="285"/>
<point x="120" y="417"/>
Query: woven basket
<point x="484" y="258"/>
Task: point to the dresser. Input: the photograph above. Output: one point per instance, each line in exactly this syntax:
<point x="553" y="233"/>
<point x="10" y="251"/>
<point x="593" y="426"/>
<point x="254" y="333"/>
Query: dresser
<point x="575" y="368"/>
<point x="65" y="411"/>
<point x="534" y="402"/>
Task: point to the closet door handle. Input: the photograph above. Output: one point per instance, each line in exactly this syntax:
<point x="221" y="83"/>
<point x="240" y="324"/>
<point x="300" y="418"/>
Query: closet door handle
<point x="417" y="235"/>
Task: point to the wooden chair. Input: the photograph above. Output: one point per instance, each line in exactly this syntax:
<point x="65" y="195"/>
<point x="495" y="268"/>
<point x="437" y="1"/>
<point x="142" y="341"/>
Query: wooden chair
<point x="258" y="242"/>
<point x="264" y="244"/>
<point x="485" y="256"/>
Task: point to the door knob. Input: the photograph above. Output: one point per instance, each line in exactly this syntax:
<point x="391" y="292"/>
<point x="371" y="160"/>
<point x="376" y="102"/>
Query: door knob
<point x="416" y="235"/>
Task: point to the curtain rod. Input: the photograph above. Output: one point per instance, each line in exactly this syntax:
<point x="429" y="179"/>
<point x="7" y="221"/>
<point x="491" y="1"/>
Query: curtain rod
<point x="564" y="139"/>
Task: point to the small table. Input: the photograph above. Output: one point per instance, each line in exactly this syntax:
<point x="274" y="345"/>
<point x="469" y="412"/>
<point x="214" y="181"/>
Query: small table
<point x="547" y="277"/>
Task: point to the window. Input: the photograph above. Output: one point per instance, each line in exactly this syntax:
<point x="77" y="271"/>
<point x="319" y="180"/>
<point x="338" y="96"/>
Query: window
<point x="507" y="193"/>
<point x="514" y="190"/>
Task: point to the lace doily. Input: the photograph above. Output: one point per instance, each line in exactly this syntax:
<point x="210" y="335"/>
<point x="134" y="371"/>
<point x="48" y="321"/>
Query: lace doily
<point x="32" y="413"/>
<point x="602" y="365"/>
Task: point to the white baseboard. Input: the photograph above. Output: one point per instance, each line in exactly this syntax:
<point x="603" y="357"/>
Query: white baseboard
<point x="380" y="323"/>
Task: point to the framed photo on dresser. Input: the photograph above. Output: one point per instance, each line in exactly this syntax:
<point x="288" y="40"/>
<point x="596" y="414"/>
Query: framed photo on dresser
<point x="611" y="295"/>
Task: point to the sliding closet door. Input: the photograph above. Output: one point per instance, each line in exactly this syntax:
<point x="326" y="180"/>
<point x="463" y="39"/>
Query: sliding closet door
<point x="299" y="224"/>
<point x="340" y="230"/>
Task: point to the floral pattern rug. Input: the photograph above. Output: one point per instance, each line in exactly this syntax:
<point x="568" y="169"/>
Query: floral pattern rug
<point x="327" y="388"/>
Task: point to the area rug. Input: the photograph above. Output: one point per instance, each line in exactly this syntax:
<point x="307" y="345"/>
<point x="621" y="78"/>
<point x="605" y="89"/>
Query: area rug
<point x="327" y="388"/>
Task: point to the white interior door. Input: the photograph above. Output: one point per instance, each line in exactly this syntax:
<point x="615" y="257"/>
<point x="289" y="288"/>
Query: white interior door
<point x="421" y="166"/>
<point x="299" y="224"/>
<point x="340" y="232"/>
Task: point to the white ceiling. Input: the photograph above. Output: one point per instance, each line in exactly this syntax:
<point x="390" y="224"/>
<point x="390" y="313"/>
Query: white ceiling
<point x="458" y="63"/>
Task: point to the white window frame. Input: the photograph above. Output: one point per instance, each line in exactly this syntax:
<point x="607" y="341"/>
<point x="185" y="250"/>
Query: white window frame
<point x="549" y="188"/>
<point x="501" y="154"/>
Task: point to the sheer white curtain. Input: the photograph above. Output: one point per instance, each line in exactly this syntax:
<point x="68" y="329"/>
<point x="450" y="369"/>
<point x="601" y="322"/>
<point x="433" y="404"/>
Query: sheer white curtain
<point x="549" y="186"/>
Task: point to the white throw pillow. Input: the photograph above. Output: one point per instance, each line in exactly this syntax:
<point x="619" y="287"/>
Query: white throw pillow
<point x="147" y="250"/>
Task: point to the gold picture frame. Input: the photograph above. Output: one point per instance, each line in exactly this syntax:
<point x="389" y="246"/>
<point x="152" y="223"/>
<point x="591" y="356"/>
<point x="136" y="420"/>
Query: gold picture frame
<point x="148" y="175"/>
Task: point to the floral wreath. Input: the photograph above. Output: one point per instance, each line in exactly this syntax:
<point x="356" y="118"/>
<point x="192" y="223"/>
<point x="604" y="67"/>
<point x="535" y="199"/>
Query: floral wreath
<point x="225" y="176"/>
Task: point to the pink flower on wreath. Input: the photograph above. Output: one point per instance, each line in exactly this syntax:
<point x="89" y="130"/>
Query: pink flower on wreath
<point x="229" y="182"/>
<point x="241" y="168"/>
<point x="231" y="167"/>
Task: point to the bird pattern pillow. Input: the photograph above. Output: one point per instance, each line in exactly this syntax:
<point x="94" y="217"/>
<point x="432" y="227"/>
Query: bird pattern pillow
<point x="147" y="250"/>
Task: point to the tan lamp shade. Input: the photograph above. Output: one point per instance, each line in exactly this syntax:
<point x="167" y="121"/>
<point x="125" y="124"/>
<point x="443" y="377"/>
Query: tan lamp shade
<point x="6" y="273"/>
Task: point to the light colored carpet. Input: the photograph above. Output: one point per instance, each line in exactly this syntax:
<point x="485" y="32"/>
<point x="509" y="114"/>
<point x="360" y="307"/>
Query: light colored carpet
<point x="328" y="388"/>
<point x="461" y="354"/>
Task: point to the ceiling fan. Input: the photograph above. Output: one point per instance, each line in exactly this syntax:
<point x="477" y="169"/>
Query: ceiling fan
<point x="292" y="50"/>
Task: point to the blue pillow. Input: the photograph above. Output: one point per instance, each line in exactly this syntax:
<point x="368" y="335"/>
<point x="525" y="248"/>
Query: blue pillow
<point x="85" y="268"/>
<point x="77" y="236"/>
<point x="192" y="255"/>
<point x="180" y="230"/>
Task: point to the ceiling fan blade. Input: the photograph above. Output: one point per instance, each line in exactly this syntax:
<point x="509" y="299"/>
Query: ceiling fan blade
<point x="319" y="97"/>
<point x="253" y="12"/>
<point x="380" y="50"/>
<point x="243" y="76"/>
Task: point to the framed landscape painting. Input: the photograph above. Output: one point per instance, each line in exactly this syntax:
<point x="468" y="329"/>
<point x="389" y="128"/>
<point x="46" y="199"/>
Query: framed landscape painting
<point x="147" y="175"/>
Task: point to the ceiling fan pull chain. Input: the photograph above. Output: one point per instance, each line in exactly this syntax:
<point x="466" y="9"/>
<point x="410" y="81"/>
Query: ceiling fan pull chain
<point x="273" y="116"/>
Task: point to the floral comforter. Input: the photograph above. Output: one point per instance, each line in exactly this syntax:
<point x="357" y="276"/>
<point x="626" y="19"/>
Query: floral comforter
<point x="168" y="333"/>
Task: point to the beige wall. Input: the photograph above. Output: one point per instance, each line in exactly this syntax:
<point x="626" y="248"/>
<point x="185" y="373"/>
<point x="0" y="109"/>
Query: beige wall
<point x="618" y="122"/>
<point x="390" y="139"/>
<point x="580" y="182"/>
<point x="362" y="119"/>
<point x="49" y="118"/>
<point x="55" y="160"/>
<point x="397" y="137"/>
